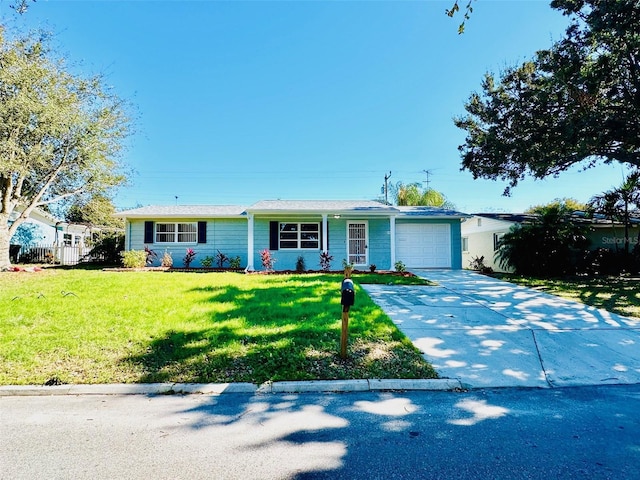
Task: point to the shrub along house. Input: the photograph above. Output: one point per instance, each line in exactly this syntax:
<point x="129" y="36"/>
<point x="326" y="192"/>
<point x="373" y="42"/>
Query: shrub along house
<point x="358" y="232"/>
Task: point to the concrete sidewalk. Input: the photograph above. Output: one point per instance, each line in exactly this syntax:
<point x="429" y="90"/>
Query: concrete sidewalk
<point x="490" y="333"/>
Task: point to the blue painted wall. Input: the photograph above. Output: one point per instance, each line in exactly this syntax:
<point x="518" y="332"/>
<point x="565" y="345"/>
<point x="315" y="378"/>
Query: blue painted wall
<point x="228" y="235"/>
<point x="379" y="244"/>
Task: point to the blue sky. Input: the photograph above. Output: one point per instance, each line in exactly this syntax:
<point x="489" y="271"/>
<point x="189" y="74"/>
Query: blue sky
<point x="238" y="101"/>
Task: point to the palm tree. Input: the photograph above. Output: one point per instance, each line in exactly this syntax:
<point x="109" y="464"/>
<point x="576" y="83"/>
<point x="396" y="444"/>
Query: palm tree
<point x="546" y="246"/>
<point x="620" y="203"/>
<point x="412" y="194"/>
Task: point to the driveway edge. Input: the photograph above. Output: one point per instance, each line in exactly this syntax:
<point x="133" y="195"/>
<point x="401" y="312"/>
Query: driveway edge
<point x="313" y="386"/>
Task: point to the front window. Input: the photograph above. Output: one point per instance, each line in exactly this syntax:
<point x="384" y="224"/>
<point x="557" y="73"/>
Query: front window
<point x="176" y="232"/>
<point x="496" y="240"/>
<point x="465" y="244"/>
<point x="301" y="236"/>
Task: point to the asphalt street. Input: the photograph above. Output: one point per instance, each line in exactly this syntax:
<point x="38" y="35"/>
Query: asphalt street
<point x="567" y="433"/>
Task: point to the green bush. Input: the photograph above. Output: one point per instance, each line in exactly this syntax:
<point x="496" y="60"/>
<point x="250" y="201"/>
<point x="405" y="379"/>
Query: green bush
<point x="300" y="265"/>
<point x="134" y="258"/>
<point x="108" y="249"/>
<point x="207" y="261"/>
<point x="400" y="266"/>
<point x="235" y="262"/>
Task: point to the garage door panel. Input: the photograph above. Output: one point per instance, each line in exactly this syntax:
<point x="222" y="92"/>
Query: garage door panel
<point x="423" y="245"/>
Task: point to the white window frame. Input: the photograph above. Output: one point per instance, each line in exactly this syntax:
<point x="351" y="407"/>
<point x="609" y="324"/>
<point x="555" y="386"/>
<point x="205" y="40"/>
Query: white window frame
<point x="496" y="239"/>
<point x="465" y="244"/>
<point x="178" y="234"/>
<point x="299" y="234"/>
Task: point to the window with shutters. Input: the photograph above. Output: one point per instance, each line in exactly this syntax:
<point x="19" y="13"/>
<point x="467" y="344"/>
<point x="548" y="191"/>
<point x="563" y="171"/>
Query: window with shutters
<point x="300" y="236"/>
<point x="176" y="232"/>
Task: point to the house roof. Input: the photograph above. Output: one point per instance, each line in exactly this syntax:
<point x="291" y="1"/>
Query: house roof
<point x="580" y="217"/>
<point x="184" y="211"/>
<point x="288" y="207"/>
<point x="431" y="212"/>
<point x="319" y="206"/>
<point x="36" y="214"/>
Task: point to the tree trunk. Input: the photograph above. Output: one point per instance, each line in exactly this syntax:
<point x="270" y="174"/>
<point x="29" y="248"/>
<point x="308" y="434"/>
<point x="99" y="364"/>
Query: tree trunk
<point x="5" y="240"/>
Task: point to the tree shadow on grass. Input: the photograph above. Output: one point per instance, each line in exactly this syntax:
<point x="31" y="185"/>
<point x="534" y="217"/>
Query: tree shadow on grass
<point x="279" y="329"/>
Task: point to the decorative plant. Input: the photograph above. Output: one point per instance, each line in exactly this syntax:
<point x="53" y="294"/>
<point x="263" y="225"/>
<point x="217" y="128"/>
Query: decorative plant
<point x="134" y="258"/>
<point x="167" y="260"/>
<point x="235" y="262"/>
<point x="477" y="264"/>
<point x="400" y="266"/>
<point x="300" y="266"/>
<point x="267" y="259"/>
<point x="207" y="261"/>
<point x="221" y="259"/>
<point x="346" y="264"/>
<point x="188" y="258"/>
<point x="151" y="256"/>
<point x="372" y="267"/>
<point x="325" y="261"/>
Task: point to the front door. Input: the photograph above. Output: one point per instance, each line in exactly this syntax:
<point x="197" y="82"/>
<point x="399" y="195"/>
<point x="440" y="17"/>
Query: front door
<point x="357" y="243"/>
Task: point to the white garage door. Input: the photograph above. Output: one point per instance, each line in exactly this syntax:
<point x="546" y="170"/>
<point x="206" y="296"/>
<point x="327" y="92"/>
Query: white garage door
<point x="423" y="245"/>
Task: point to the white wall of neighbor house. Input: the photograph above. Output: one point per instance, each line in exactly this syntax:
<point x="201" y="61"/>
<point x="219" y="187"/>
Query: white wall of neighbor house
<point x="479" y="238"/>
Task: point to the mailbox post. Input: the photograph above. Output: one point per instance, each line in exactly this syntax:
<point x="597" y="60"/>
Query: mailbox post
<point x="347" y="300"/>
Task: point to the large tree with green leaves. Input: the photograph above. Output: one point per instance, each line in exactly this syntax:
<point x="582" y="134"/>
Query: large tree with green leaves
<point x="577" y="103"/>
<point x="96" y="210"/>
<point x="60" y="133"/>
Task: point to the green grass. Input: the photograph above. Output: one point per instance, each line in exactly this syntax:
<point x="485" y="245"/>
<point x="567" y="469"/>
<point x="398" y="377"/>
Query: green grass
<point x="619" y="295"/>
<point x="83" y="326"/>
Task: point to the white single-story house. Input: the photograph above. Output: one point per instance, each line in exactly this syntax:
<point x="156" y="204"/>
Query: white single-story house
<point x="359" y="232"/>
<point x="482" y="232"/>
<point x="42" y="234"/>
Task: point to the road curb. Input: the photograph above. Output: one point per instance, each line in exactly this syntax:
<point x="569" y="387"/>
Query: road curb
<point x="313" y="386"/>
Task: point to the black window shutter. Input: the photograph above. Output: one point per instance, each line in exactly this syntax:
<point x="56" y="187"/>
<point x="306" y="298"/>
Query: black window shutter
<point x="274" y="235"/>
<point x="148" y="232"/>
<point x="202" y="232"/>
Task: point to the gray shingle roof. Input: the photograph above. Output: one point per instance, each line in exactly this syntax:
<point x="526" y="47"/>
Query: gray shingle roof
<point x="429" y="212"/>
<point x="184" y="211"/>
<point x="318" y="206"/>
<point x="286" y="207"/>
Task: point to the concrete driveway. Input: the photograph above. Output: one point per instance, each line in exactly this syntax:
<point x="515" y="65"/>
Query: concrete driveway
<point x="490" y="333"/>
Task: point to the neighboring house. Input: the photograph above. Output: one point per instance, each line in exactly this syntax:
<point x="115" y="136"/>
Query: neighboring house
<point x="482" y="232"/>
<point x="44" y="238"/>
<point x="358" y="232"/>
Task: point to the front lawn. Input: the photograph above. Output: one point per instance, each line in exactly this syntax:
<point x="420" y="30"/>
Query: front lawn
<point x="83" y="326"/>
<point x="619" y="295"/>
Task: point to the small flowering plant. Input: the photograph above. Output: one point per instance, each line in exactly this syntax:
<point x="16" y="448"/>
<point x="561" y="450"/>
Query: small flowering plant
<point x="267" y="260"/>
<point x="188" y="258"/>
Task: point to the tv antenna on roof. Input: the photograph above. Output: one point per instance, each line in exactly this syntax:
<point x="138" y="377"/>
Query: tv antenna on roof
<point x="428" y="173"/>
